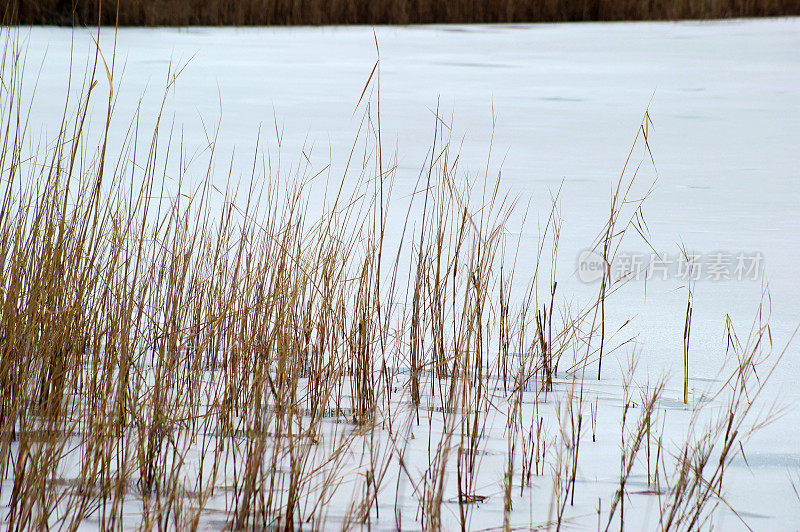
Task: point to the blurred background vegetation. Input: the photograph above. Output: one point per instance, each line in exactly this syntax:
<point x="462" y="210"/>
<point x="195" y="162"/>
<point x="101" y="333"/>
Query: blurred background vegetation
<point x="317" y="12"/>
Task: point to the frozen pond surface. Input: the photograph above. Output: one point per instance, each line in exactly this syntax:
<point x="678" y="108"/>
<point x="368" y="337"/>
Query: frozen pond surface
<point x="567" y="101"/>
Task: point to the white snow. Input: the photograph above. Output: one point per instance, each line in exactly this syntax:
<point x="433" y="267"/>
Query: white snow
<point x="567" y="101"/>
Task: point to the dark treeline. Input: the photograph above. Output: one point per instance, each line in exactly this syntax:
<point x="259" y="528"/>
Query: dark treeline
<point x="314" y="12"/>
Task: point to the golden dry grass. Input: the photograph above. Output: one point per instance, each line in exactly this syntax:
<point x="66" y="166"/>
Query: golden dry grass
<point x="165" y="357"/>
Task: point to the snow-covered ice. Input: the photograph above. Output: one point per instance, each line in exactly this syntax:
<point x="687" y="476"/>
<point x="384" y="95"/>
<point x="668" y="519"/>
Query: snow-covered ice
<point x="566" y="99"/>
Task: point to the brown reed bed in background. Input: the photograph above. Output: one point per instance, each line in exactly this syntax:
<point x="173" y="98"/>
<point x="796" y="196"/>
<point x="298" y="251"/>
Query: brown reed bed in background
<point x="323" y="12"/>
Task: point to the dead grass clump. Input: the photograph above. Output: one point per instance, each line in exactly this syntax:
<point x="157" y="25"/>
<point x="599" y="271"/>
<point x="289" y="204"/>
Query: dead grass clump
<point x="170" y="353"/>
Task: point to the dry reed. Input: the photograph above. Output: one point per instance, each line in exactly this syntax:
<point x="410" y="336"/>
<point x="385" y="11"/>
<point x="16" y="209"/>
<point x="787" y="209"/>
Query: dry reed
<point x="173" y="357"/>
<point x="319" y="12"/>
